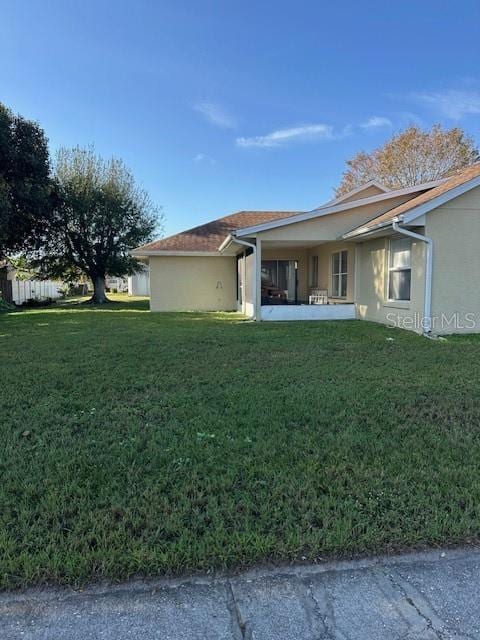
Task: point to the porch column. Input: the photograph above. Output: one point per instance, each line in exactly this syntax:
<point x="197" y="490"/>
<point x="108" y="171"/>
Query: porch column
<point x="258" y="281"/>
<point x="244" y="283"/>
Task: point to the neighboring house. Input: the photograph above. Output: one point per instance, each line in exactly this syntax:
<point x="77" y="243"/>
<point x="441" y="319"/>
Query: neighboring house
<point x="408" y="257"/>
<point x="139" y="283"/>
<point x="116" y="284"/>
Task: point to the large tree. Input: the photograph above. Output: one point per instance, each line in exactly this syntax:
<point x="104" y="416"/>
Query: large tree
<point x="411" y="157"/>
<point x="24" y="181"/>
<point x="99" y="215"/>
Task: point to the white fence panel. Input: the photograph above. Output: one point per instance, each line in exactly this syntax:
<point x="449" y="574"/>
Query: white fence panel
<point x="139" y="284"/>
<point x="37" y="289"/>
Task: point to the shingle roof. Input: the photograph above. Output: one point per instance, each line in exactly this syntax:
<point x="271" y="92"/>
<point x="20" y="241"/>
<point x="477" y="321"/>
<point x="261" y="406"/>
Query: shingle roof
<point x="208" y="237"/>
<point x="459" y="178"/>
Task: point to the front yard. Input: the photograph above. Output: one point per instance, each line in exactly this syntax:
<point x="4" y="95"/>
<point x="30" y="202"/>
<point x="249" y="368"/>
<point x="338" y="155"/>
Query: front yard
<point x="146" y="443"/>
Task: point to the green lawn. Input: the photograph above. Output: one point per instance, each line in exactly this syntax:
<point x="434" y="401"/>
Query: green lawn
<point x="138" y="443"/>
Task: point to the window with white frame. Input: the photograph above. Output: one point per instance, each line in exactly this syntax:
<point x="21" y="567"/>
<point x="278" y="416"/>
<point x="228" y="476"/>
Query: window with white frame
<point x="313" y="271"/>
<point x="339" y="274"/>
<point x="399" y="269"/>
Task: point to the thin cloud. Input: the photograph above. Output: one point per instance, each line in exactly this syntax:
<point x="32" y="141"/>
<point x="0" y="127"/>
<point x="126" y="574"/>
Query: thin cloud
<point x="376" y="122"/>
<point x="203" y="158"/>
<point x="451" y="104"/>
<point x="216" y="115"/>
<point x="408" y="118"/>
<point x="285" y="136"/>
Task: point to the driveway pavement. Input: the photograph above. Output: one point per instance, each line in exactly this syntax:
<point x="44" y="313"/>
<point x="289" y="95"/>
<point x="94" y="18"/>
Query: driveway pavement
<point x="421" y="596"/>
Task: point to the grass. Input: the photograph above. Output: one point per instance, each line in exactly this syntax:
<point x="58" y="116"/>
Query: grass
<point x="138" y="443"/>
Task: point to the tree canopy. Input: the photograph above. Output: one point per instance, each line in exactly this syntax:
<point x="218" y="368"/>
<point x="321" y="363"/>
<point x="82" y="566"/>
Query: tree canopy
<point x="413" y="156"/>
<point x="99" y="216"/>
<point x="25" y="185"/>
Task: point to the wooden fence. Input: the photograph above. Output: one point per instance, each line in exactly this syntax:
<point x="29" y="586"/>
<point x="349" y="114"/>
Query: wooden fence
<point x="6" y="290"/>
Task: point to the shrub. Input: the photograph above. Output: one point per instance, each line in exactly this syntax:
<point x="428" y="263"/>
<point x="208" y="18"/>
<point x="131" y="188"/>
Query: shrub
<point x="6" y="306"/>
<point x="32" y="303"/>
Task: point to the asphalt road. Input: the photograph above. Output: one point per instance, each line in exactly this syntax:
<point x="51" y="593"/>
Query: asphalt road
<point x="421" y="596"/>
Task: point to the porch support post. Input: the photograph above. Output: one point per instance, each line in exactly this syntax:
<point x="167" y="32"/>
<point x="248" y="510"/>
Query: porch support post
<point x="244" y="283"/>
<point x="258" y="280"/>
<point x="256" y="274"/>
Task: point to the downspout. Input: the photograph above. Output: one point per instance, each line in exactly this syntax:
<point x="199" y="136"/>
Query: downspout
<point x="427" y="306"/>
<point x="244" y="243"/>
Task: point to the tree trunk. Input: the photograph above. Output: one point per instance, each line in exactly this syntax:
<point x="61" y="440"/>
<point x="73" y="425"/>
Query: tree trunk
<point x="99" y="296"/>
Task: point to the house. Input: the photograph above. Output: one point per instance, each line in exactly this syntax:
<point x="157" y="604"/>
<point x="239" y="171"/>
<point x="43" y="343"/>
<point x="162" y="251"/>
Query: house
<point x="139" y="283"/>
<point x="116" y="284"/>
<point x="407" y="257"/>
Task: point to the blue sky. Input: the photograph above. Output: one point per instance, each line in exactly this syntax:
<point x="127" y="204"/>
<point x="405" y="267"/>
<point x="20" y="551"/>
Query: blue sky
<point x="219" y="106"/>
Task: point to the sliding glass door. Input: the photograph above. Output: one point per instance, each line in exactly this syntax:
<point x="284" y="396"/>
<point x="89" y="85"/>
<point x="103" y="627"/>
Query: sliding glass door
<point x="279" y="282"/>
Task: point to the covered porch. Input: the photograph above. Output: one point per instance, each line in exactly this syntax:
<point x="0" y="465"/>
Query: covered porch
<point x="297" y="280"/>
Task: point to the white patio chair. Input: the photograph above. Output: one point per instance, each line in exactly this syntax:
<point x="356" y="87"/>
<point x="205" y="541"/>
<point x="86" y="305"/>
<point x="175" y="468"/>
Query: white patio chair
<point x="318" y="296"/>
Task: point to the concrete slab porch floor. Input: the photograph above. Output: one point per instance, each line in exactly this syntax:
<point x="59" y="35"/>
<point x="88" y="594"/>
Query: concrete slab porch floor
<point x="308" y="312"/>
<point x="418" y="596"/>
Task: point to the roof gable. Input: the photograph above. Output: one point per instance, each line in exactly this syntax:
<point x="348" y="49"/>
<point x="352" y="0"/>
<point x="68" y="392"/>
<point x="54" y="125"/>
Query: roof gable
<point x="331" y="208"/>
<point x="370" y="188"/>
<point x="449" y="189"/>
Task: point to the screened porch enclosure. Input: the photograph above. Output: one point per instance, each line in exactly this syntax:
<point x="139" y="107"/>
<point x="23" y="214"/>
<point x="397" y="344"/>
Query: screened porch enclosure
<point x="300" y="280"/>
<point x="300" y="275"/>
<point x="306" y="280"/>
<point x="279" y="282"/>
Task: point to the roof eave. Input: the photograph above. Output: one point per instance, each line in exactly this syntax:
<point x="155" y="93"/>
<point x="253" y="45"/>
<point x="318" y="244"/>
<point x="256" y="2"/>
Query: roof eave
<point x="150" y="253"/>
<point x="419" y="210"/>
<point x="362" y="232"/>
<point x="452" y="193"/>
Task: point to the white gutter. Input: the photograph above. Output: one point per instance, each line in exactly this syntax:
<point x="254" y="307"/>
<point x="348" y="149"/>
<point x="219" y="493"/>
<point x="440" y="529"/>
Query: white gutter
<point x="228" y="240"/>
<point x="365" y="231"/>
<point x="427" y="306"/>
<point x="244" y="243"/>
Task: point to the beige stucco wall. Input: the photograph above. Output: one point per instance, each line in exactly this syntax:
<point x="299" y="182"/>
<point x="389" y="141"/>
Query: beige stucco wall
<point x="249" y="280"/>
<point x="331" y="226"/>
<point x="372" y="282"/>
<point x="181" y="283"/>
<point x="455" y="231"/>
<point x="324" y="253"/>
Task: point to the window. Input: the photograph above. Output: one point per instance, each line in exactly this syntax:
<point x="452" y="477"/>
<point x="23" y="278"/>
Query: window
<point x="313" y="271"/>
<point x="399" y="269"/>
<point x="339" y="274"/>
